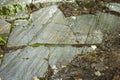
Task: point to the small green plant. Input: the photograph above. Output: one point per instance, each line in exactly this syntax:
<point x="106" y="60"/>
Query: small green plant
<point x="2" y="41"/>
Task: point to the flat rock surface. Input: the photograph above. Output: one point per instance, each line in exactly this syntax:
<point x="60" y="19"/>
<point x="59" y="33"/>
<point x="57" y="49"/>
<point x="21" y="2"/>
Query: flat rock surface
<point x="55" y="34"/>
<point x="49" y="26"/>
<point x="24" y="64"/>
<point x="4" y="29"/>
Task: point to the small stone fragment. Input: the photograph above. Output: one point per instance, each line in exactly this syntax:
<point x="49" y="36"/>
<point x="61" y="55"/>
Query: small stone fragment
<point x="97" y="73"/>
<point x="93" y="47"/>
<point x="35" y="78"/>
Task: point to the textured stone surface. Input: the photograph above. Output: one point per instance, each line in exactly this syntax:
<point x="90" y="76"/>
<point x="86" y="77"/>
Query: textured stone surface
<point x="114" y="6"/>
<point x="47" y="15"/>
<point x="6" y="2"/>
<point x="50" y="26"/>
<point x="26" y="63"/>
<point x="107" y="22"/>
<point x="4" y="29"/>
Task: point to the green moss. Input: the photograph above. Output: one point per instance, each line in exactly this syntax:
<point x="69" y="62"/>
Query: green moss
<point x="48" y="44"/>
<point x="11" y="10"/>
<point x="17" y="7"/>
<point x="2" y="41"/>
<point x="35" y="45"/>
<point x="6" y="10"/>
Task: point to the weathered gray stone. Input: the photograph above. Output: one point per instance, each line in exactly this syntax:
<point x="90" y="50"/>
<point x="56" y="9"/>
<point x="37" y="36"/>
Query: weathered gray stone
<point x="23" y="32"/>
<point x="43" y="1"/>
<point x="26" y="63"/>
<point x="47" y="15"/>
<point x="107" y="21"/>
<point x="54" y="34"/>
<point x="85" y="29"/>
<point x="6" y="2"/>
<point x="49" y="26"/>
<point x="4" y="29"/>
<point x="114" y="6"/>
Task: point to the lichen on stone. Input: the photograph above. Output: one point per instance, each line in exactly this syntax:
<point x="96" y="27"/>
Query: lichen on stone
<point x="8" y="11"/>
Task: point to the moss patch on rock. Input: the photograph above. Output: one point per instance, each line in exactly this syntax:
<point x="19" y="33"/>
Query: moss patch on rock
<point x="11" y="10"/>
